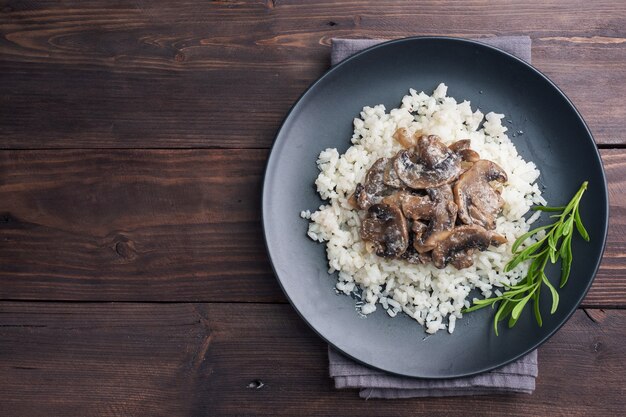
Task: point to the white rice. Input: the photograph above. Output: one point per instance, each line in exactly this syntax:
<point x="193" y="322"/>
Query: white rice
<point x="433" y="297"/>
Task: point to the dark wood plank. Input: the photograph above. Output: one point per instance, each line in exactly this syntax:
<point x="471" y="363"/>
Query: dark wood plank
<point x="111" y="359"/>
<point x="130" y="225"/>
<point x="130" y="74"/>
<point x="609" y="288"/>
<point x="176" y="225"/>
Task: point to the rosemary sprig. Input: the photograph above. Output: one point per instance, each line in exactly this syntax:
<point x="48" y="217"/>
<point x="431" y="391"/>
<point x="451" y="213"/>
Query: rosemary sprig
<point x="554" y="245"/>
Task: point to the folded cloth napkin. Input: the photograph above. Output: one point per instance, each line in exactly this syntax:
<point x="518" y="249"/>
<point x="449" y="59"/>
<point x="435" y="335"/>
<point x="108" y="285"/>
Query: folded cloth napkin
<point x="515" y="45"/>
<point x="516" y="377"/>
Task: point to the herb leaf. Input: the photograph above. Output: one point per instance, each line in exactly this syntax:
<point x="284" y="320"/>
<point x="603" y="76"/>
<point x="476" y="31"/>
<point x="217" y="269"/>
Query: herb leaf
<point x="553" y="291"/>
<point x="536" y="309"/>
<point x="554" y="245"/>
<point x="546" y="208"/>
<point x="579" y="225"/>
<point x="517" y="310"/>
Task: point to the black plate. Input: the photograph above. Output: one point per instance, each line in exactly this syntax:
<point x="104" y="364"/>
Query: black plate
<point x="555" y="138"/>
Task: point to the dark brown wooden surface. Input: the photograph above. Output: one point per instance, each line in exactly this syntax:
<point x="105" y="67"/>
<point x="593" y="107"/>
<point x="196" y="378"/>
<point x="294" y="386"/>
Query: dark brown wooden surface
<point x="223" y="73"/>
<point x="199" y="359"/>
<point x="133" y="275"/>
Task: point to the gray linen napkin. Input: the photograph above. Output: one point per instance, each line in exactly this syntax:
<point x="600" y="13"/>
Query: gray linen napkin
<point x="515" y="45"/>
<point x="516" y="377"/>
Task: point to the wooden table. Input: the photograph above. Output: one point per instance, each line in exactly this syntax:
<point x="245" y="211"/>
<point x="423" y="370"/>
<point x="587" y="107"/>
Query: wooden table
<point x="133" y="276"/>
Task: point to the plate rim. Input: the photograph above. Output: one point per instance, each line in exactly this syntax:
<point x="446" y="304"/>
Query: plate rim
<point x="468" y="42"/>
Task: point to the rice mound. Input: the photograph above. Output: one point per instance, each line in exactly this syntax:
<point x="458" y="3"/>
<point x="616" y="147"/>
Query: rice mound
<point x="433" y="297"/>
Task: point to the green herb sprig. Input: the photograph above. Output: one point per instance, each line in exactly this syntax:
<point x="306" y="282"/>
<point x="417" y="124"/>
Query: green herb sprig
<point x="554" y="245"/>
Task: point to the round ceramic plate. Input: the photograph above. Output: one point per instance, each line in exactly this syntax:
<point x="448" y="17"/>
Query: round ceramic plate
<point x="555" y="138"/>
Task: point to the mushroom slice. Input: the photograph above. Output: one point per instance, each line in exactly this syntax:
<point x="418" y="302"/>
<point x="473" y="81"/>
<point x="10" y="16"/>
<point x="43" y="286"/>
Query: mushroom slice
<point x="460" y="145"/>
<point x="444" y="208"/>
<point x="469" y="155"/>
<point x="386" y="228"/>
<point x="462" y="148"/>
<point x="457" y="245"/>
<point x="418" y="228"/>
<point x="463" y="259"/>
<point x="442" y="217"/>
<point x="403" y="138"/>
<point x="390" y="177"/>
<point x="432" y="151"/>
<point x="477" y="200"/>
<point x="417" y="207"/>
<point x="432" y="166"/>
<point x="372" y="189"/>
<point x="412" y="256"/>
<point x="396" y="199"/>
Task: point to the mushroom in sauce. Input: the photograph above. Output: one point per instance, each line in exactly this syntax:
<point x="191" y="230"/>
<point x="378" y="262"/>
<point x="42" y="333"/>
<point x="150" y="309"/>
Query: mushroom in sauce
<point x="378" y="183"/>
<point x="412" y="256"/>
<point x="462" y="148"/>
<point x="415" y="200"/>
<point x="416" y="207"/>
<point x="386" y="228"/>
<point x="477" y="200"/>
<point x="390" y="176"/>
<point x="403" y="138"/>
<point x="444" y="208"/>
<point x="433" y="165"/>
<point x="457" y="245"/>
<point x="443" y="218"/>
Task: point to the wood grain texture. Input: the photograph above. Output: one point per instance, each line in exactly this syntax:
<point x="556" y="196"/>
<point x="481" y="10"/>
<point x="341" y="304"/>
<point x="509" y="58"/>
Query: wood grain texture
<point x="91" y="210"/>
<point x="131" y="225"/>
<point x="111" y="359"/>
<point x="178" y="225"/>
<point x="135" y="74"/>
